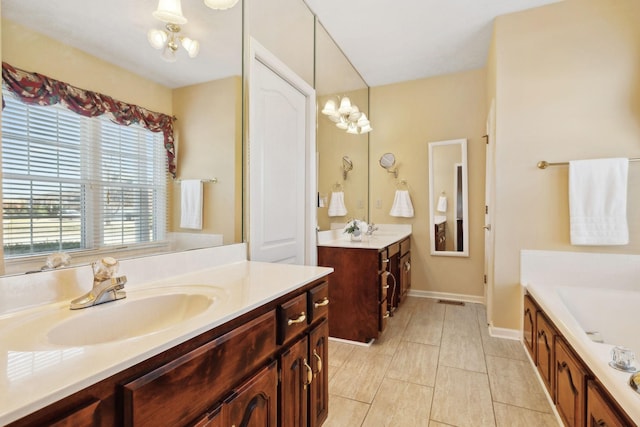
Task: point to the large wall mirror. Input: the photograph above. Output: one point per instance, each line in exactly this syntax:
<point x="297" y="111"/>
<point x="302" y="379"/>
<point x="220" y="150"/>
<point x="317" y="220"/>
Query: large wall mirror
<point x="343" y="158"/>
<point x="448" y="198"/>
<point x="103" y="47"/>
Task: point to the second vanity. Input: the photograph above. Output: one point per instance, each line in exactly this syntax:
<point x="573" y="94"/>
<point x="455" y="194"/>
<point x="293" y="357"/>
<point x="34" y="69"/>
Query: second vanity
<point x="371" y="278"/>
<point x="254" y="351"/>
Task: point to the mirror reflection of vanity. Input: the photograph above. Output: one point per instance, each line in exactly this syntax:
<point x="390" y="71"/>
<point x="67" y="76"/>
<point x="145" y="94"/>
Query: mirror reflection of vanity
<point x="448" y="198"/>
<point x="336" y="78"/>
<point x="204" y="93"/>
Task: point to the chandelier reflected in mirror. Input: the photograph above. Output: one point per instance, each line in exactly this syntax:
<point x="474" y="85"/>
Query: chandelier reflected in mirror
<point x="346" y="116"/>
<point x="170" y="39"/>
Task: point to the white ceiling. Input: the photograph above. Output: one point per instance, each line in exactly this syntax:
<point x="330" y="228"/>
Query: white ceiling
<point x="394" y="41"/>
<point x="386" y="41"/>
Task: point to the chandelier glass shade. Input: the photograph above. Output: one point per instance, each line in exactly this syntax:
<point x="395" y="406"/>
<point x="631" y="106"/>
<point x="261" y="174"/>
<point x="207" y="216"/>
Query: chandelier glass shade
<point x="346" y="116"/>
<point x="220" y="4"/>
<point x="170" y="39"/>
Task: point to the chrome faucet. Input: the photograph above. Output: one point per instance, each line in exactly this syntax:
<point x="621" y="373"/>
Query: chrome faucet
<point x="370" y="229"/>
<point x="106" y="287"/>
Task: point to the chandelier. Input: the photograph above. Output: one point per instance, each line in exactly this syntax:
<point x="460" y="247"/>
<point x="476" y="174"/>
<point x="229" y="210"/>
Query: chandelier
<point x="170" y="39"/>
<point x="346" y="116"/>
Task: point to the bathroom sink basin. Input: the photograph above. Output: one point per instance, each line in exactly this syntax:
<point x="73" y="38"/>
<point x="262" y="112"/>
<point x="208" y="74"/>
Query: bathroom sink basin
<point x="127" y="318"/>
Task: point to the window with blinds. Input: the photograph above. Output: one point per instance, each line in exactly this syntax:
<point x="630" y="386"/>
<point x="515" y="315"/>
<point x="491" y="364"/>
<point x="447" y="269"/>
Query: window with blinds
<point x="77" y="183"/>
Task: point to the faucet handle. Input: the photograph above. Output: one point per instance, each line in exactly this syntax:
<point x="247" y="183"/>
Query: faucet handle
<point x="118" y="283"/>
<point x="105" y="268"/>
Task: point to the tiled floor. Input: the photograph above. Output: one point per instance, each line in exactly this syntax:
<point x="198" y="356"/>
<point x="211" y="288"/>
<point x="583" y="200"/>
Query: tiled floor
<point x="434" y="366"/>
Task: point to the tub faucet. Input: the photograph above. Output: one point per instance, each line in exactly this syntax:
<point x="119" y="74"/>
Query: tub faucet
<point x="106" y="287"/>
<point x="370" y="229"/>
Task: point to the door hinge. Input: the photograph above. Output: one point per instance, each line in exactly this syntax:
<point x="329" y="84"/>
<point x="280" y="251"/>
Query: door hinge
<point x="486" y="137"/>
<point x="485" y="279"/>
<point x="486" y="210"/>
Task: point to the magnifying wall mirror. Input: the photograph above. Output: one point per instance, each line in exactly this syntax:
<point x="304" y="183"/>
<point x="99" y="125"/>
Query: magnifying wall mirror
<point x="387" y="161"/>
<point x="448" y="198"/>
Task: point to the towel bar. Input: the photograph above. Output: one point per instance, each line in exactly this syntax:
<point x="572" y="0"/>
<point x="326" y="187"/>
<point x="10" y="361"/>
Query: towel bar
<point x="543" y="164"/>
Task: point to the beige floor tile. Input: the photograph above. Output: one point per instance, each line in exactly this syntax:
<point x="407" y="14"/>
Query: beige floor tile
<point x="399" y="403"/>
<point x="360" y="376"/>
<point x="461" y="320"/>
<point x="462" y="351"/>
<point x="501" y="347"/>
<point x="339" y="352"/>
<point x="514" y="382"/>
<point x="437" y="424"/>
<point x="345" y="412"/>
<point x="513" y="416"/>
<point x="388" y="341"/>
<point x="462" y="398"/>
<point x="426" y="324"/>
<point x="414" y="362"/>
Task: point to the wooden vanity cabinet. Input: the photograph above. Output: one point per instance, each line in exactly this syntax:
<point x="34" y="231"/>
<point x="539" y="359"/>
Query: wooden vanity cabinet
<point x="580" y="399"/>
<point x="231" y="375"/>
<point x="440" y="233"/>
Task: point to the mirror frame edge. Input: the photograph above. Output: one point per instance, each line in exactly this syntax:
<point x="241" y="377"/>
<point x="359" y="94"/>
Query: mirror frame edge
<point x="465" y="199"/>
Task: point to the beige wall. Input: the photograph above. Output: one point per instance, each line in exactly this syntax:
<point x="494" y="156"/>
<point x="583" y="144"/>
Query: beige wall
<point x="208" y="134"/>
<point x="567" y="86"/>
<point x="405" y="117"/>
<point x="32" y="51"/>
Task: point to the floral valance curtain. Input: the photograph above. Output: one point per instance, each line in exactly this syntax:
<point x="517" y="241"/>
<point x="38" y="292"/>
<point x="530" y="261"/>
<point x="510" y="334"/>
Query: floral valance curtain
<point x="34" y="88"/>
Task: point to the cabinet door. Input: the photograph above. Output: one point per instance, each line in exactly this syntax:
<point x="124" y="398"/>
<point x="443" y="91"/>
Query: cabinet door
<point x="296" y="375"/>
<point x="319" y="388"/>
<point x="599" y="412"/>
<point x="570" y="380"/>
<point x="529" y="328"/>
<point x="254" y="403"/>
<point x="545" y="334"/>
<point x="212" y="418"/>
<point x="405" y="275"/>
<point x="85" y="416"/>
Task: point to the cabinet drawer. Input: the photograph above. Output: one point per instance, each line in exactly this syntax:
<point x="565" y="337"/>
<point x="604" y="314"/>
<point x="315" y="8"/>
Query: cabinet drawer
<point x="292" y="318"/>
<point x="405" y="246"/>
<point x="185" y="388"/>
<point x="393" y="249"/>
<point x="81" y="417"/>
<point x="383" y="263"/>
<point x="318" y="302"/>
<point x="384" y="285"/>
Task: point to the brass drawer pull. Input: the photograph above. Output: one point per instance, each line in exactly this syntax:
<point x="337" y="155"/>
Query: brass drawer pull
<point x="309" y="374"/>
<point x="385" y="287"/>
<point x="387" y="314"/>
<point x="300" y="319"/>
<point x="324" y="301"/>
<point x="318" y="362"/>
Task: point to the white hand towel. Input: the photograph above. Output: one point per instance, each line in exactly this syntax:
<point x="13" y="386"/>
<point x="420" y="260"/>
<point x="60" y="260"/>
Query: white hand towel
<point x="191" y="204"/>
<point x="402" y="205"/>
<point x="598" y="202"/>
<point x="442" y="204"/>
<point x="336" y="204"/>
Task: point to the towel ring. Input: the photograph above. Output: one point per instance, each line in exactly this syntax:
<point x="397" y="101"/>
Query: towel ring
<point x="402" y="183"/>
<point x="337" y="187"/>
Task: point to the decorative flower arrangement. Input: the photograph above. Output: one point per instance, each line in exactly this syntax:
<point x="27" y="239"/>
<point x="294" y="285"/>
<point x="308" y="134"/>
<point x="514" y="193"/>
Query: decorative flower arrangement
<point x="354" y="229"/>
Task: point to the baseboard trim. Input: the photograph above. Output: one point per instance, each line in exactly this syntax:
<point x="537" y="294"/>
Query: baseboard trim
<point x="445" y="295"/>
<point x="510" y="334"/>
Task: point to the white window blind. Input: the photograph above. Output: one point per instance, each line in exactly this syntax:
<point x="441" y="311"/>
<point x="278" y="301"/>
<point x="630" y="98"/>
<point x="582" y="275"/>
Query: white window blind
<point x="77" y="183"/>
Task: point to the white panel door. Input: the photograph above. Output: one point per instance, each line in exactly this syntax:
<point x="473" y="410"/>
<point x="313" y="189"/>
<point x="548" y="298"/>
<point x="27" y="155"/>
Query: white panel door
<point x="278" y="160"/>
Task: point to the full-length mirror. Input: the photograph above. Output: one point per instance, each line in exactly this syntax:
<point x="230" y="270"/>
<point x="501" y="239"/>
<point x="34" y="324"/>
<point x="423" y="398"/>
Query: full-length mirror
<point x="341" y="195"/>
<point x="448" y="198"/>
<point x="105" y="47"/>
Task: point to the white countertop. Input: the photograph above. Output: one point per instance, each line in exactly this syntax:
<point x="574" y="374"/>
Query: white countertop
<point x="385" y="236"/>
<point x="36" y="373"/>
